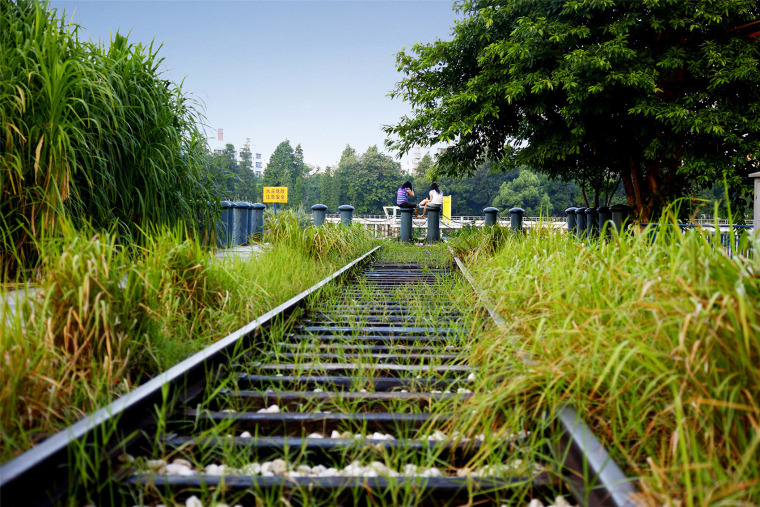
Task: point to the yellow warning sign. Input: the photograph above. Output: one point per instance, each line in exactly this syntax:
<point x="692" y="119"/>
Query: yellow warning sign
<point x="275" y="194"/>
<point x="446" y="218"/>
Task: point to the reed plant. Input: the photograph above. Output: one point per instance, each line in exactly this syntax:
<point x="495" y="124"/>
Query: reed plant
<point x="89" y="132"/>
<point x="654" y="336"/>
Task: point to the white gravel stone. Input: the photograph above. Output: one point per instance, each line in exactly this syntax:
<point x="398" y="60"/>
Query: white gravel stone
<point x="173" y="469"/>
<point x="182" y="462"/>
<point x="561" y="502"/>
<point x="536" y="503"/>
<point x="155" y="464"/>
<point x="318" y="390"/>
<point x="437" y="436"/>
<point x="246" y="434"/>
<point x="431" y="472"/>
<point x="471" y="377"/>
<point x="251" y="469"/>
<point x="193" y="501"/>
<point x="334" y="434"/>
<point x="316" y="435"/>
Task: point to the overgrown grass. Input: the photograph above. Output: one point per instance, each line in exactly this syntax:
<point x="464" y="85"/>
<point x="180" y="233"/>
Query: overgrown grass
<point x="657" y="342"/>
<point x="89" y="132"/>
<point x="103" y="317"/>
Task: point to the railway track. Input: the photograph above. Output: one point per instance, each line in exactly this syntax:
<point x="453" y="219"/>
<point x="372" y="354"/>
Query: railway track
<point x="349" y="394"/>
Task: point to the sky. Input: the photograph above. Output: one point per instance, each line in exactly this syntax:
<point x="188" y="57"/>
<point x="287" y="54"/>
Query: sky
<point x="314" y="72"/>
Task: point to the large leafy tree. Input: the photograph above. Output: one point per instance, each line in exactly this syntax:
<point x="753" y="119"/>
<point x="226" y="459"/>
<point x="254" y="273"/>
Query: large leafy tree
<point x="280" y="167"/>
<point x="664" y="94"/>
<point x="525" y="192"/>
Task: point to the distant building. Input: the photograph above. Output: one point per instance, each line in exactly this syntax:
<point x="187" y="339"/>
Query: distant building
<point x="258" y="165"/>
<point x="416" y="160"/>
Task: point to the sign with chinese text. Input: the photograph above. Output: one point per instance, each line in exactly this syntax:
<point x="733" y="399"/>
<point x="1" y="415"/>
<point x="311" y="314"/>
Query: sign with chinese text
<point x="275" y="194"/>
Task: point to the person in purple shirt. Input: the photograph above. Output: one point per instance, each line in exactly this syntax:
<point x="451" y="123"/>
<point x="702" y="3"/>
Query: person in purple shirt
<point x="402" y="197"/>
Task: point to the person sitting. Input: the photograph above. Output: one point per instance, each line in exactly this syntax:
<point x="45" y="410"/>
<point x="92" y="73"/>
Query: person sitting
<point x="402" y="197"/>
<point x="434" y="200"/>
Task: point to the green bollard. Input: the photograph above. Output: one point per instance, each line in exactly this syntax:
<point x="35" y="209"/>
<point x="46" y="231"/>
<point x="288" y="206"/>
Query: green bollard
<point x="258" y="218"/>
<point x="224" y="226"/>
<point x="516" y="218"/>
<point x="433" y="224"/>
<point x="571" y="223"/>
<point x="318" y="214"/>
<point x="620" y="215"/>
<point x="405" y="232"/>
<point x="605" y="215"/>
<point x="592" y="222"/>
<point x="346" y="214"/>
<point x="240" y="227"/>
<point x="490" y="214"/>
<point x="580" y="222"/>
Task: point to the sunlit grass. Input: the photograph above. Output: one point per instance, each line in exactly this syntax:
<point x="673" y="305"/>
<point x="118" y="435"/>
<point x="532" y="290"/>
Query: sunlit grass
<point x="657" y="342"/>
<point x="104" y="317"/>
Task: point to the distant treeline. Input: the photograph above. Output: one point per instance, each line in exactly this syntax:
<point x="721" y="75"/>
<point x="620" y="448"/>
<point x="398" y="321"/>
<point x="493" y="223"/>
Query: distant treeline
<point x="368" y="181"/>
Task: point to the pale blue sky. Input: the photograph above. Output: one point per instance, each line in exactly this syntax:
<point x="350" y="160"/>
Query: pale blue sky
<point x="314" y="72"/>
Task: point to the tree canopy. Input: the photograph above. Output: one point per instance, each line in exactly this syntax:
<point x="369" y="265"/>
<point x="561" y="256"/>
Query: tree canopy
<point x="663" y="94"/>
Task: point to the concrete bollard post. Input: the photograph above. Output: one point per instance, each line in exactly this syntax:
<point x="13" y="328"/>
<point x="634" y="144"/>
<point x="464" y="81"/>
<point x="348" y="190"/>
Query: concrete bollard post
<point x="516" y="218"/>
<point x="571" y="223"/>
<point x="433" y="224"/>
<point x="240" y="227"/>
<point x="258" y="218"/>
<point x="580" y="222"/>
<point x="346" y="214"/>
<point x="592" y="222"/>
<point x="318" y="214"/>
<point x="224" y="225"/>
<point x="490" y="214"/>
<point x="620" y="215"/>
<point x="756" y="207"/>
<point x="249" y="233"/>
<point x="605" y="215"/>
<point x="405" y="231"/>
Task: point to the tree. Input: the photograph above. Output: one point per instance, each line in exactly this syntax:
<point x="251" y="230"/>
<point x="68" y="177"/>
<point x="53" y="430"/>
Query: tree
<point x="425" y="165"/>
<point x="660" y="93"/>
<point x="226" y="170"/>
<point x="246" y="188"/>
<point x="525" y="192"/>
<point x="280" y="167"/>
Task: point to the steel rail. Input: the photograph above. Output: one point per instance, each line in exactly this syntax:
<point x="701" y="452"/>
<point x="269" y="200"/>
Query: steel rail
<point x="592" y="475"/>
<point x="25" y="476"/>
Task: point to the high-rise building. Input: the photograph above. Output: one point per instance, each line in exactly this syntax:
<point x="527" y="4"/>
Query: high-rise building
<point x="258" y="165"/>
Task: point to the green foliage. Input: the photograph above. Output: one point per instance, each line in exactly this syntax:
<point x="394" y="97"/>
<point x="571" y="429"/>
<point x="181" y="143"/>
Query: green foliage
<point x="294" y="230"/>
<point x="524" y="192"/>
<point x="656" y="342"/>
<point x="659" y="93"/>
<point x="88" y="132"/>
<point x="247" y="189"/>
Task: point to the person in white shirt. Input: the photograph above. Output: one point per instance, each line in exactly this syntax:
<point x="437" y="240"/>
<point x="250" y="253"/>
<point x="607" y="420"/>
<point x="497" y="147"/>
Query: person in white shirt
<point x="434" y="200"/>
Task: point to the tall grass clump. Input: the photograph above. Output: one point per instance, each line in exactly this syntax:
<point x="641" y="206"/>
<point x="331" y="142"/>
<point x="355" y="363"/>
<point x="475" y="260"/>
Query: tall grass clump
<point x="88" y="132"/>
<point x="294" y="230"/>
<point x="654" y="337"/>
<point x="103" y="317"/>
